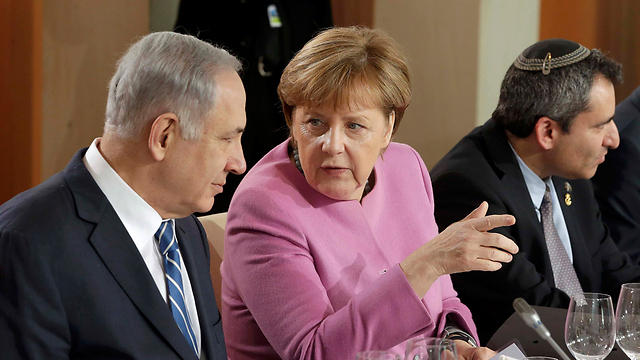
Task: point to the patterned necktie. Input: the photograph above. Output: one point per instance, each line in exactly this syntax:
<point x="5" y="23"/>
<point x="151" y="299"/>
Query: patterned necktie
<point x="172" y="267"/>
<point x="564" y="273"/>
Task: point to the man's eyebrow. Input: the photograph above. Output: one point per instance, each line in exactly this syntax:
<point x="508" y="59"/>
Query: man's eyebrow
<point x="606" y="122"/>
<point x="236" y="131"/>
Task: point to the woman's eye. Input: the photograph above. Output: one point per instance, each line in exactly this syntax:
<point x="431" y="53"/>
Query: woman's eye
<point x="314" y="122"/>
<point x="354" y="126"/>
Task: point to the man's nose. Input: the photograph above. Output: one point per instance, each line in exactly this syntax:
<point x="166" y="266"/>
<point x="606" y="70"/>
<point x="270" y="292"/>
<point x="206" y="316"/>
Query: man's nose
<point x="236" y="162"/>
<point x="612" y="138"/>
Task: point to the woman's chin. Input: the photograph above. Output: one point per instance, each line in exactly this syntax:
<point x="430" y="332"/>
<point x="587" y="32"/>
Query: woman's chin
<point x="339" y="193"/>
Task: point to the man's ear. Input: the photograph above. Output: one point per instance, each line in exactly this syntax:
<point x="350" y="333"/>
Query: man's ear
<point x="164" y="131"/>
<point x="546" y="131"/>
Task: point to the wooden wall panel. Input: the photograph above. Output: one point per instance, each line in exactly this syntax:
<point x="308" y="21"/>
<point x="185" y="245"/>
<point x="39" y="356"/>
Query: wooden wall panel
<point x="20" y="95"/>
<point x="352" y="12"/>
<point x="570" y="19"/>
<point x="619" y="35"/>
<point x="82" y="42"/>
<point x="610" y="25"/>
<point x="441" y="40"/>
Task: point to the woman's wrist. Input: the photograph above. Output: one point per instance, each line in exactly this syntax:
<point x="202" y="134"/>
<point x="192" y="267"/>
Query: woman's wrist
<point x="454" y="333"/>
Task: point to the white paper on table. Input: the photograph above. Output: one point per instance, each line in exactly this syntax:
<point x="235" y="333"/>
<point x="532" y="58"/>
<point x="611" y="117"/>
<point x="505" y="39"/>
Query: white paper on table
<point x="511" y="352"/>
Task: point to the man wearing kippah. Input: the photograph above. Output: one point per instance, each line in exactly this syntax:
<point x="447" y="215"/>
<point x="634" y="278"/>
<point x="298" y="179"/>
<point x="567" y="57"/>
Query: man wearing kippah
<point x="551" y="129"/>
<point x="105" y="260"/>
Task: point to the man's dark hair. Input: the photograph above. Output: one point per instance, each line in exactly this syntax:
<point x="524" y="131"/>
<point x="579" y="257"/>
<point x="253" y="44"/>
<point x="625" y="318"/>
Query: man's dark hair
<point x="526" y="96"/>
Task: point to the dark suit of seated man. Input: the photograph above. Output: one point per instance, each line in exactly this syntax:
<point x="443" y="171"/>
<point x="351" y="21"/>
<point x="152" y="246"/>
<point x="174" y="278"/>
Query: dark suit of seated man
<point x="617" y="181"/>
<point x="552" y="127"/>
<point x="104" y="260"/>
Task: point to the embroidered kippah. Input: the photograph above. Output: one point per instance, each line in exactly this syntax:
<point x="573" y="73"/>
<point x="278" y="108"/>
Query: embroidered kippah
<point x="550" y="54"/>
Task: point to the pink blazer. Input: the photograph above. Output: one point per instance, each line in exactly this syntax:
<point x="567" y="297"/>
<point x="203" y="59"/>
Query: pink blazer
<point x="309" y="277"/>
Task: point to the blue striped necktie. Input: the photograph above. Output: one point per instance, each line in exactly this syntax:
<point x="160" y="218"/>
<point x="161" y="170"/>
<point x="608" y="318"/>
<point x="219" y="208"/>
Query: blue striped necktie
<point x="172" y="267"/>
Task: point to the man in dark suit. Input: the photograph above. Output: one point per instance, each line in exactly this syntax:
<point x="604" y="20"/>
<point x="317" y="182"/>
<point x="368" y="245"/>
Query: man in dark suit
<point x="617" y="181"/>
<point x="552" y="127"/>
<point x="104" y="260"/>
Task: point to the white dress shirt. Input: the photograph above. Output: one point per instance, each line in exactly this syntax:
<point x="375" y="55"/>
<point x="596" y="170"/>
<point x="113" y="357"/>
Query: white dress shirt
<point x="537" y="187"/>
<point x="141" y="222"/>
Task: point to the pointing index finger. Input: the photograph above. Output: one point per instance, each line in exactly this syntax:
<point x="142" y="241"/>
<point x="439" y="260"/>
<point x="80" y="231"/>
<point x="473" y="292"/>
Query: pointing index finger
<point x="490" y="222"/>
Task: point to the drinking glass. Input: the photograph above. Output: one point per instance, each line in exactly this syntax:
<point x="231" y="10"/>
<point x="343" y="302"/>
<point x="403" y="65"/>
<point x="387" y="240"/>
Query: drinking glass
<point x="377" y="355"/>
<point x="590" y="330"/>
<point x="628" y="320"/>
<point x="430" y="348"/>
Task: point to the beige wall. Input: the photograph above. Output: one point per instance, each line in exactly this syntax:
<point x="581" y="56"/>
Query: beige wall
<point x="506" y="28"/>
<point x="81" y="42"/>
<point x="459" y="51"/>
<point x="441" y="39"/>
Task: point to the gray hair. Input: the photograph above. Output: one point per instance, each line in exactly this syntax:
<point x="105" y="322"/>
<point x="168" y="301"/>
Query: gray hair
<point x="161" y="73"/>
<point x="526" y="96"/>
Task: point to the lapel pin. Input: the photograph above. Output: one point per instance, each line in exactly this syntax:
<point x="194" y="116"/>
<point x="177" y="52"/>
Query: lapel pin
<point x="567" y="199"/>
<point x="567" y="186"/>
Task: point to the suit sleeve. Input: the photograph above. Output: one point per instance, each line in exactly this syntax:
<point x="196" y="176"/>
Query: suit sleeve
<point x="32" y="318"/>
<point x="274" y="274"/>
<point x="456" y="196"/>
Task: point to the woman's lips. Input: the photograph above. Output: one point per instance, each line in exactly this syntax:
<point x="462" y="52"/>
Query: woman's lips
<point x="334" y="170"/>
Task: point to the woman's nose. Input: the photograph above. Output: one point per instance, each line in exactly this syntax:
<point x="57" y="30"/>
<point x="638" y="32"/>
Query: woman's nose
<point x="333" y="142"/>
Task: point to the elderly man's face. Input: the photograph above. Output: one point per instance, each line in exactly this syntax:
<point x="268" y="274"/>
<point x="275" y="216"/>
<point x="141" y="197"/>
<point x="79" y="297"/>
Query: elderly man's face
<point x="592" y="133"/>
<point x="199" y="168"/>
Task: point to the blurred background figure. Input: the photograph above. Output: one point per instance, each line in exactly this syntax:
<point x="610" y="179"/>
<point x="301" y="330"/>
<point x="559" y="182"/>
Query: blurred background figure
<point x="264" y="34"/>
<point x="617" y="181"/>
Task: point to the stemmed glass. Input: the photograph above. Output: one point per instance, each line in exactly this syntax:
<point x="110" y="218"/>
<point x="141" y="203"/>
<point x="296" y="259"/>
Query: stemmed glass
<point x="628" y="320"/>
<point x="590" y="331"/>
<point x="430" y="348"/>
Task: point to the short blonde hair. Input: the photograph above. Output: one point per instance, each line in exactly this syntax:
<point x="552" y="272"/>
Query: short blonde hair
<point x="342" y="66"/>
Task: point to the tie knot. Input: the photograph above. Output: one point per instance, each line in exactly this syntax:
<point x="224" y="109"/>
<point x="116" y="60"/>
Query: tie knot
<point x="546" y="199"/>
<point x="165" y="237"/>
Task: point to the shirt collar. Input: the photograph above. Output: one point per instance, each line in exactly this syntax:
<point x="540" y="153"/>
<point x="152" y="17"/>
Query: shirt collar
<point x="535" y="184"/>
<point x="138" y="217"/>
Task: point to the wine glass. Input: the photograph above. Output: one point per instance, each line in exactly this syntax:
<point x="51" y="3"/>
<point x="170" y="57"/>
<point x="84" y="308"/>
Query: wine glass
<point x="430" y="348"/>
<point x="377" y="355"/>
<point x="590" y="331"/>
<point x="628" y="320"/>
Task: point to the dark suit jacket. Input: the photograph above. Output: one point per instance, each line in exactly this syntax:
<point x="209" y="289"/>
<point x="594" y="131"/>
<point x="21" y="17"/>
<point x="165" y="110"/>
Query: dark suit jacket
<point x="617" y="181"/>
<point x="74" y="286"/>
<point x="482" y="166"/>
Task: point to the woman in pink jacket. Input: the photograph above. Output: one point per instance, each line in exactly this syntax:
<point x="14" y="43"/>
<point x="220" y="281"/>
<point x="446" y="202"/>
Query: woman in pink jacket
<point x="331" y="245"/>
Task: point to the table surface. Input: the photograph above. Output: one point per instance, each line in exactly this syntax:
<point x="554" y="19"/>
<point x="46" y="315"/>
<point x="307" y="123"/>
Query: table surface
<point x="531" y="343"/>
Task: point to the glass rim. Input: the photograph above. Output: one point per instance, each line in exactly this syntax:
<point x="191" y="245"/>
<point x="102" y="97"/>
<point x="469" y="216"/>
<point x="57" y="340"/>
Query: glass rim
<point x="593" y="295"/>
<point x="632" y="286"/>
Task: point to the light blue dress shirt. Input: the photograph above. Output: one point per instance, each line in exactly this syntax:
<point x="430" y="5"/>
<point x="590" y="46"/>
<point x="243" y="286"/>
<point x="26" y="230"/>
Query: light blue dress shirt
<point x="537" y="187"/>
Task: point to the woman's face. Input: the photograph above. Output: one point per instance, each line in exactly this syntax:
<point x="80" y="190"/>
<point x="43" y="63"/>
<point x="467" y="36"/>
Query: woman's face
<point x="338" y="148"/>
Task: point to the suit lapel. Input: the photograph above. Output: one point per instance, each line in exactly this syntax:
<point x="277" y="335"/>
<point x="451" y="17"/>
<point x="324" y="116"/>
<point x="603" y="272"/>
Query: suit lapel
<point x="115" y="247"/>
<point x="581" y="258"/>
<point x="517" y="196"/>
<point x="514" y="186"/>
